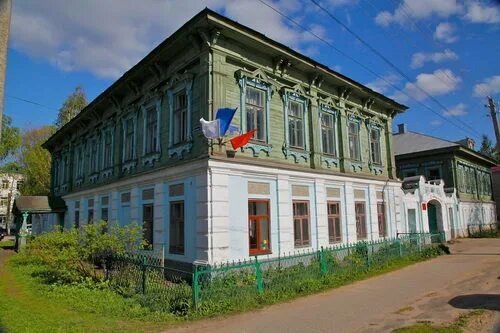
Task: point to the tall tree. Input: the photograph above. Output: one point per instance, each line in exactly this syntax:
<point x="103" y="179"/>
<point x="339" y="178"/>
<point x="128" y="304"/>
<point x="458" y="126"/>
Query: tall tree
<point x="10" y="140"/>
<point x="35" y="161"/>
<point x="487" y="147"/>
<point x="71" y="107"/>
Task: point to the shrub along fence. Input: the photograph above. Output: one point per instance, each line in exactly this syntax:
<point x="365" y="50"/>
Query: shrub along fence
<point x="484" y="230"/>
<point x="222" y="287"/>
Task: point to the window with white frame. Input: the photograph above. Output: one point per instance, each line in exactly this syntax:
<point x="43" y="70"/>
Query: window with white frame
<point x="255" y="108"/>
<point x="375" y="152"/>
<point x="5" y="184"/>
<point x="94" y="156"/>
<point x="354" y="144"/>
<point x="328" y="133"/>
<point x="129" y="133"/>
<point x="79" y="157"/>
<point x="296" y="124"/>
<point x="180" y="121"/>
<point x="108" y="149"/>
<point x="124" y="208"/>
<point x="3" y="201"/>
<point x="151" y="130"/>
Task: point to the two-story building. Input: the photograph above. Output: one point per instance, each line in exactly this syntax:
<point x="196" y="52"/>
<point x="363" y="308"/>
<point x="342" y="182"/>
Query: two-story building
<point x="457" y="164"/>
<point x="10" y="185"/>
<point x="320" y="168"/>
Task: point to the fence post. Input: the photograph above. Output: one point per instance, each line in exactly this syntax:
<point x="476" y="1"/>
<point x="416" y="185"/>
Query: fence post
<point x="400" y="247"/>
<point x="258" y="275"/>
<point x="368" y="254"/>
<point x="480" y="230"/>
<point x="419" y="243"/>
<point x="195" y="287"/>
<point x="322" y="261"/>
<point x="144" y="275"/>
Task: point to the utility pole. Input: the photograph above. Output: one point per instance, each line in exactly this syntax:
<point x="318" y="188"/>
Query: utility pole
<point x="493" y="113"/>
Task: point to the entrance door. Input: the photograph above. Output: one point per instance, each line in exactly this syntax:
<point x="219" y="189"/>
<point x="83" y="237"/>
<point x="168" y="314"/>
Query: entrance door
<point x="431" y="214"/>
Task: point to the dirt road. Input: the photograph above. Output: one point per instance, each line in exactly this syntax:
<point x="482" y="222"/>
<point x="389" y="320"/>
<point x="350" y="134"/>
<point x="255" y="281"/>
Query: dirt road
<point x="437" y="290"/>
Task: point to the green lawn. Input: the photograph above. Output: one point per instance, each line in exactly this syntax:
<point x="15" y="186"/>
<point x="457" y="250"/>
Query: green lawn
<point x="26" y="305"/>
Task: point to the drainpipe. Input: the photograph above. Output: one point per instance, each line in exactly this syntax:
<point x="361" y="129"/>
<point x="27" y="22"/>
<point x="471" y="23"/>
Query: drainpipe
<point x="211" y="219"/>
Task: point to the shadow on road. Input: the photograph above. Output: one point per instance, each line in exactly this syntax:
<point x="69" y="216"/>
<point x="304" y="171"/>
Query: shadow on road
<point x="476" y="301"/>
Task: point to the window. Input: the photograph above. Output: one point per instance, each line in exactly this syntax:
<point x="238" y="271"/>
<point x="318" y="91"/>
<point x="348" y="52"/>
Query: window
<point x="296" y="124"/>
<point x="64" y="170"/>
<point x="147" y="224"/>
<point x="360" y="220"/>
<point x="354" y="149"/>
<point x="94" y="158"/>
<point x="3" y="201"/>
<point x="79" y="162"/>
<point x="104" y="209"/>
<point x="433" y="173"/>
<point x="124" y="209"/>
<point x="259" y="227"/>
<point x="409" y="173"/>
<point x="55" y="179"/>
<point x="5" y="184"/>
<point x="382" y="232"/>
<point x="19" y="185"/>
<point x="255" y="100"/>
<point x="151" y="131"/>
<point x="334" y="228"/>
<point x="328" y="134"/>
<point x="176" y="245"/>
<point x="180" y="128"/>
<point x="128" y="152"/>
<point x="301" y="223"/>
<point x="77" y="214"/>
<point x="108" y="149"/>
<point x="376" y="157"/>
<point x="90" y="215"/>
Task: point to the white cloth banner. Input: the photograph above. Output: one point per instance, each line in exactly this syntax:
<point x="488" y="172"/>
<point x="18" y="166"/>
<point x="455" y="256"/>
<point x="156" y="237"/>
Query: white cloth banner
<point x="211" y="129"/>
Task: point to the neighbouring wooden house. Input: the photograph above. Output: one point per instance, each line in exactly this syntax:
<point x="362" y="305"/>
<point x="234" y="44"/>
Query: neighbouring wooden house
<point x="320" y="169"/>
<point x="457" y="164"/>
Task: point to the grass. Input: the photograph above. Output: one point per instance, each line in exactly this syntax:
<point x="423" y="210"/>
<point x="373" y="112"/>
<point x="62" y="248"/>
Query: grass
<point x="455" y="327"/>
<point x="7" y="244"/>
<point x="27" y="305"/>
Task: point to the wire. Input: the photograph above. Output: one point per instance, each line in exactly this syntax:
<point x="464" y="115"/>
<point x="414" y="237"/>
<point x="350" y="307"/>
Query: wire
<point x="31" y="102"/>
<point x="388" y="62"/>
<point x="361" y="65"/>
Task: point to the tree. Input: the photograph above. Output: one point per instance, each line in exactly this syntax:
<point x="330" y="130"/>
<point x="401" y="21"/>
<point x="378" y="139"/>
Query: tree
<point x="71" y="107"/>
<point x="487" y="147"/>
<point x="35" y="161"/>
<point x="10" y="140"/>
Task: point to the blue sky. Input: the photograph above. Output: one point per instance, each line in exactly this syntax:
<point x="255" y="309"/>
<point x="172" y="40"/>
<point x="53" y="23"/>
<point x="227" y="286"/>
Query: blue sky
<point x="448" y="48"/>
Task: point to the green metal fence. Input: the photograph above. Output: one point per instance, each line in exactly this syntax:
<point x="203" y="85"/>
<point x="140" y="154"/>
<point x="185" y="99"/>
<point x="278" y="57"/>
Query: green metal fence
<point x="167" y="289"/>
<point x="300" y="271"/>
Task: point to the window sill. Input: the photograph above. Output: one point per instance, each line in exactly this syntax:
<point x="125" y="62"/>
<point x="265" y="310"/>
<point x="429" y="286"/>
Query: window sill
<point x="129" y="166"/>
<point x="180" y="149"/>
<point x="297" y="154"/>
<point x="257" y="146"/>
<point x="330" y="160"/>
<point x="150" y="158"/>
<point x="107" y="172"/>
<point x="260" y="253"/>
<point x="93" y="177"/>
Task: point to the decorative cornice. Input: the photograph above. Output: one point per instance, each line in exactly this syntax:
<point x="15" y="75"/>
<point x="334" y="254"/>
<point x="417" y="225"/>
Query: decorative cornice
<point x="257" y="148"/>
<point x="180" y="151"/>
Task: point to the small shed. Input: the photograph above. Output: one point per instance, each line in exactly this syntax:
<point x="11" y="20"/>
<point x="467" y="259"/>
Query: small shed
<point x="33" y="215"/>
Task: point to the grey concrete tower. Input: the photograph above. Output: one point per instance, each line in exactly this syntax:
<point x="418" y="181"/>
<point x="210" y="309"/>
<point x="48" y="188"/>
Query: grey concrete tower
<point x="5" y="12"/>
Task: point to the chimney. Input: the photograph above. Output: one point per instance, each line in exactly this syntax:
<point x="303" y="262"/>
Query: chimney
<point x="467" y="143"/>
<point x="402" y="129"/>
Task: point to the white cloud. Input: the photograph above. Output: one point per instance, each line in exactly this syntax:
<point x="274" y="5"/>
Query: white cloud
<point x="445" y="32"/>
<point x="479" y="13"/>
<point x="436" y="122"/>
<point x="107" y="37"/>
<point x="410" y="9"/>
<point x="419" y="59"/>
<point x="456" y="111"/>
<point x="440" y="82"/>
<point x="382" y="85"/>
<point x="489" y="86"/>
<point x="338" y="3"/>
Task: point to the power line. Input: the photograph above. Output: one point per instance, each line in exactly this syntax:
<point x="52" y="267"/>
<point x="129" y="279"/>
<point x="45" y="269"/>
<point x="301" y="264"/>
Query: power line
<point x="361" y="64"/>
<point x="387" y="61"/>
<point x="31" y="102"/>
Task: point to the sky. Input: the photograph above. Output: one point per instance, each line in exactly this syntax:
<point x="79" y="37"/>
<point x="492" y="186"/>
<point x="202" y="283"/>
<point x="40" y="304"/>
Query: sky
<point x="438" y="57"/>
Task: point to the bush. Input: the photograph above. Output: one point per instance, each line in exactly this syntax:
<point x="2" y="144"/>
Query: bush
<point x="69" y="256"/>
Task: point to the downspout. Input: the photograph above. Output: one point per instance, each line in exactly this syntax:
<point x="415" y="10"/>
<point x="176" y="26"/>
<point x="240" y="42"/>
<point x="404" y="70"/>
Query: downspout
<point x="345" y="214"/>
<point x="371" y="215"/>
<point x="278" y="215"/>
<point x="316" y="217"/>
<point x="210" y="216"/>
